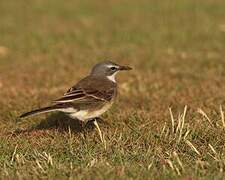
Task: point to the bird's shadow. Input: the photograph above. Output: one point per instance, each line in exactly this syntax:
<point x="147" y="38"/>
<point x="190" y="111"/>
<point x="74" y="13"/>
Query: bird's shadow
<point x="62" y="123"/>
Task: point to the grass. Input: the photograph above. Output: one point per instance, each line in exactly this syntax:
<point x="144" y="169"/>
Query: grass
<point x="168" y="122"/>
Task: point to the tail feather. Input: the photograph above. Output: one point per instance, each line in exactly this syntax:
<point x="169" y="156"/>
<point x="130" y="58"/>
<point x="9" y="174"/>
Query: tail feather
<point x="39" y="111"/>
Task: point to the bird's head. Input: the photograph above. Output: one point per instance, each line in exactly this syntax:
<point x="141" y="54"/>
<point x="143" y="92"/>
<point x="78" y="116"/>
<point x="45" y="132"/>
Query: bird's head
<point x="108" y="69"/>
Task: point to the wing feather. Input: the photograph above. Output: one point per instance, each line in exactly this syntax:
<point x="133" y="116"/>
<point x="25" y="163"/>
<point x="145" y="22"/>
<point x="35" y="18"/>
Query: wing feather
<point x="82" y="95"/>
<point x="88" y="90"/>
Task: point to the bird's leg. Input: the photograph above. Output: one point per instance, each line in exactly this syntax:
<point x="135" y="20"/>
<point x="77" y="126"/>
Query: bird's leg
<point x="99" y="130"/>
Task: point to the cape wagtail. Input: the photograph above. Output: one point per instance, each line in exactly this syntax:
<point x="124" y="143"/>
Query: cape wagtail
<point x="90" y="97"/>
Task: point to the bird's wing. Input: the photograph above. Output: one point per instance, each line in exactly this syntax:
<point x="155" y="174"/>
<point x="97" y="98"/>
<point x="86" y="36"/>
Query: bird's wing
<point x="76" y="94"/>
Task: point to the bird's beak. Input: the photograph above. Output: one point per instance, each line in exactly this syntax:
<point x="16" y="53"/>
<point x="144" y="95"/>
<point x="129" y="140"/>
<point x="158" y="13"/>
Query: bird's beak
<point x="124" y="68"/>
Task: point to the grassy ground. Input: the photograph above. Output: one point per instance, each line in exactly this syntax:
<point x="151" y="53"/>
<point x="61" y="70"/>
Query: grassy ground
<point x="177" y="51"/>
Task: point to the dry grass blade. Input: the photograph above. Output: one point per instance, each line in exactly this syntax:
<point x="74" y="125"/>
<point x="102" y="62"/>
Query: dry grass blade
<point x="169" y="162"/>
<point x="182" y="119"/>
<point x="178" y="160"/>
<point x="200" y="111"/>
<point x="180" y="130"/>
<point x="104" y="141"/>
<point x="39" y="165"/>
<point x="192" y="147"/>
<point x="163" y="130"/>
<point x="184" y="115"/>
<point x="212" y="148"/>
<point x="177" y="170"/>
<point x="92" y="163"/>
<point x="186" y="134"/>
<point x="179" y="124"/>
<point x="150" y="165"/>
<point x="222" y="116"/>
<point x="172" y="120"/>
<point x="214" y="157"/>
<point x="13" y="155"/>
<point x="49" y="159"/>
<point x="20" y="159"/>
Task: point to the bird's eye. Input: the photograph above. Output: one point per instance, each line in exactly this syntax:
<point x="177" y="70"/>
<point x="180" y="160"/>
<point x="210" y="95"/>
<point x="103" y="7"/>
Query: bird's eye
<point x="113" y="68"/>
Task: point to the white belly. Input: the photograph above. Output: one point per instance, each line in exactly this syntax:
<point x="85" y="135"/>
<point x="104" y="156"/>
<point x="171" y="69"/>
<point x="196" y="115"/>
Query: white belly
<point x="83" y="115"/>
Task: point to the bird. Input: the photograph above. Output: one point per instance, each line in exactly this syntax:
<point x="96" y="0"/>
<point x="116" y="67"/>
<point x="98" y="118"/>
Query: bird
<point x="90" y="97"/>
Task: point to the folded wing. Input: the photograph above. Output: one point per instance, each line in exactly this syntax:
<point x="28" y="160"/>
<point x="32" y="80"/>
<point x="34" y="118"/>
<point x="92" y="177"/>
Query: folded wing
<point x="85" y="95"/>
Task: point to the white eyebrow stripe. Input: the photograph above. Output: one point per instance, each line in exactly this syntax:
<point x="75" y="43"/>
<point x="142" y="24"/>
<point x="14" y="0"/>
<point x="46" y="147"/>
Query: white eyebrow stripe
<point x="112" y="66"/>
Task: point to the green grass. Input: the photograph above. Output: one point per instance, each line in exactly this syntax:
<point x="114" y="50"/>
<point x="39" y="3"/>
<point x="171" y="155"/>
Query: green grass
<point x="177" y="51"/>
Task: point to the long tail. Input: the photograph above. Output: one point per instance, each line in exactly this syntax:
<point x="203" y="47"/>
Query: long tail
<point x="41" y="110"/>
